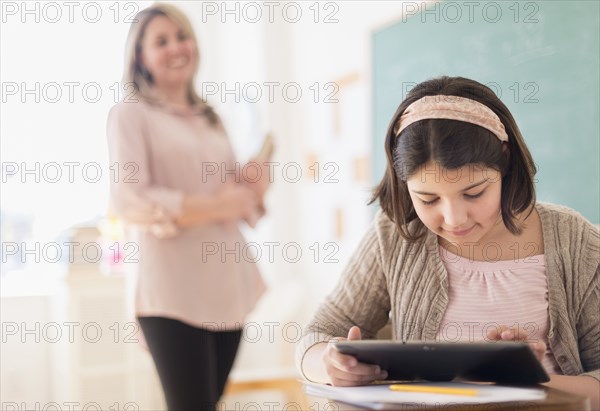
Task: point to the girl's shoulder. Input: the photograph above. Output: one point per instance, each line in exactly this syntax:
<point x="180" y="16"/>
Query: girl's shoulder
<point x="385" y="224"/>
<point x="567" y="230"/>
<point x="563" y="217"/>
<point x="391" y="242"/>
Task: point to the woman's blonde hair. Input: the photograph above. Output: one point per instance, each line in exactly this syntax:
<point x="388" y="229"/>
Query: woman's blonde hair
<point x="136" y="74"/>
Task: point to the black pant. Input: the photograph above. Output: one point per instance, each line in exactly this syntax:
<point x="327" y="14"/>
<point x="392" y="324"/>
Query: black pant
<point x="192" y="363"/>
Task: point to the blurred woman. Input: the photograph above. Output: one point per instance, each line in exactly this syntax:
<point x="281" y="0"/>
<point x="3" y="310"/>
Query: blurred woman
<point x="180" y="185"/>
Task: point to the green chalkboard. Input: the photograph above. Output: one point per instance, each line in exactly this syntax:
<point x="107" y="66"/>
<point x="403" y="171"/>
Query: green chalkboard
<point x="541" y="59"/>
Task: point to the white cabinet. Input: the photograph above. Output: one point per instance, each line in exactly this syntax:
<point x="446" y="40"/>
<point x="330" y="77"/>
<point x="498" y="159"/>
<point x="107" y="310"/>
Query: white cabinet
<point x="75" y="343"/>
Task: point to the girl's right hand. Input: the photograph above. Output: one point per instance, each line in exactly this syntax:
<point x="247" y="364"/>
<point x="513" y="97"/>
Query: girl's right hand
<point x="344" y="370"/>
<point x="237" y="202"/>
<point x="507" y="333"/>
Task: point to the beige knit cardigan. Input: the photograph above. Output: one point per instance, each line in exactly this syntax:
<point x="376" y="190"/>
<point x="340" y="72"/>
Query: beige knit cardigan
<point x="389" y="278"/>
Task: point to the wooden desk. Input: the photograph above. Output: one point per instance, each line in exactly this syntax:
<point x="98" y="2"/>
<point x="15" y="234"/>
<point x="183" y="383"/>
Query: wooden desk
<point x="556" y="400"/>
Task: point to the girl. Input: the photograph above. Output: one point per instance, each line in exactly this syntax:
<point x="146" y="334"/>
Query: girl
<point x="461" y="250"/>
<point x="173" y="152"/>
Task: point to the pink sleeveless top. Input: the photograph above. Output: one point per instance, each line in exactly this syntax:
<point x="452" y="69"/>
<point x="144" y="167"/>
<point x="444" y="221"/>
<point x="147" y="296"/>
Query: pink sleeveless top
<point x="486" y="294"/>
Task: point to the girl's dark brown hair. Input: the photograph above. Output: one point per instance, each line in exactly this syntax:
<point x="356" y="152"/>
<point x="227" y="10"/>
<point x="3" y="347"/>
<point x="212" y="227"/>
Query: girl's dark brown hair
<point x="452" y="144"/>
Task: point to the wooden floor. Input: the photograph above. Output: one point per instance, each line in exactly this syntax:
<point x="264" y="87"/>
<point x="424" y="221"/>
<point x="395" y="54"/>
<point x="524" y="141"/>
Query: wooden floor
<point x="290" y="388"/>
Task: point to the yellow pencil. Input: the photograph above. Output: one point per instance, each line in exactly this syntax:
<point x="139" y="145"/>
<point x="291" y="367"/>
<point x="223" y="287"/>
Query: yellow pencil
<point x="470" y="392"/>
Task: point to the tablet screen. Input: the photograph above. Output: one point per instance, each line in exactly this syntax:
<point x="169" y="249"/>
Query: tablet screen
<point x="504" y="362"/>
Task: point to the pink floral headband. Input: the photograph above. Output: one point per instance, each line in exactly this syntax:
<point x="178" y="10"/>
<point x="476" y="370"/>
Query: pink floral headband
<point x="452" y="108"/>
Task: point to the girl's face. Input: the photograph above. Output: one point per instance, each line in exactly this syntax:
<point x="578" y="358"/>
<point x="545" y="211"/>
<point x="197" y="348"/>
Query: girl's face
<point x="461" y="205"/>
<point x="168" y="53"/>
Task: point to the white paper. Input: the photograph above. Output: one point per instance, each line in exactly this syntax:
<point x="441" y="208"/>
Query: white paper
<point x="376" y="396"/>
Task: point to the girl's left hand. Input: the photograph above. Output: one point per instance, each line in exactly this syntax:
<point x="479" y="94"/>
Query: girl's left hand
<point x="506" y="333"/>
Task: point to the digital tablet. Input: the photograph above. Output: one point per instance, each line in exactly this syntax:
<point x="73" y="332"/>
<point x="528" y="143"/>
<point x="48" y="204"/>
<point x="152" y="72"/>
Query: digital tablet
<point x="503" y="362"/>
